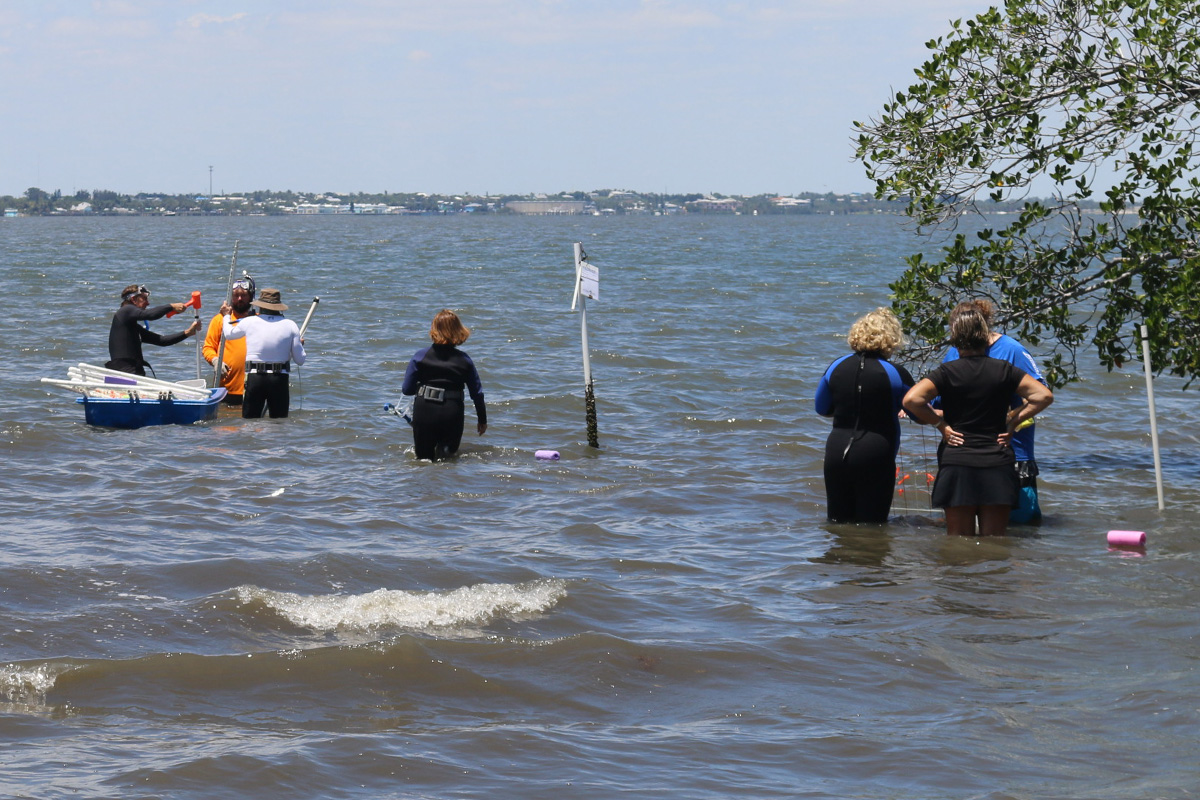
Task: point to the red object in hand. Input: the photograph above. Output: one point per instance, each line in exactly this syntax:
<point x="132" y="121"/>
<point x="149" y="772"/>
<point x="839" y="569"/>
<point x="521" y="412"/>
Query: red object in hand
<point x="193" y="303"/>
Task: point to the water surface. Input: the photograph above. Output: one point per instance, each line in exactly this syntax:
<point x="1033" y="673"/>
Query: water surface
<point x="300" y="608"/>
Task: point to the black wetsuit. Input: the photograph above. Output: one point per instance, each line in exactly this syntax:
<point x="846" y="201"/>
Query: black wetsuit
<point x="862" y="393"/>
<point x="437" y="375"/>
<point x="126" y="335"/>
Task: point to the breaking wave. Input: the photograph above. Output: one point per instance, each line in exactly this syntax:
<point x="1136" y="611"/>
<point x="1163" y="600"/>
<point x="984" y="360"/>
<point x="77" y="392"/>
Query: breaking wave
<point x="466" y="606"/>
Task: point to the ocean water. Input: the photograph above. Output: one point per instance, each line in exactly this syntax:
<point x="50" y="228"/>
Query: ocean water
<point x="299" y="608"/>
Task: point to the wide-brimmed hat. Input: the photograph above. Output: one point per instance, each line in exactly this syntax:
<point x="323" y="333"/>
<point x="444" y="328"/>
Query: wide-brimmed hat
<point x="269" y="298"/>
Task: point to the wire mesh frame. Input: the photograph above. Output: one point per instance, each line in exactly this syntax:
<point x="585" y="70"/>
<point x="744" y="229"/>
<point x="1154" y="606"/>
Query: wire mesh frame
<point x="916" y="469"/>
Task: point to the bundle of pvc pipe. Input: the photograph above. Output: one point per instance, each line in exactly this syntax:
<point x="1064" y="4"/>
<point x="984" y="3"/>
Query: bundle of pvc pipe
<point x="116" y="390"/>
<point x="100" y="374"/>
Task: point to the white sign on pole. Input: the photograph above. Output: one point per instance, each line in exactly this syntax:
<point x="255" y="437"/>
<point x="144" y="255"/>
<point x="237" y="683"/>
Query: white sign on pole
<point x="587" y="278"/>
<point x="589" y="281"/>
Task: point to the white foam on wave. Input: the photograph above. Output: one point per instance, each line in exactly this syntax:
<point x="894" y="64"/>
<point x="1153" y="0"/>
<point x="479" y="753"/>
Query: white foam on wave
<point x="19" y="684"/>
<point x="467" y="606"/>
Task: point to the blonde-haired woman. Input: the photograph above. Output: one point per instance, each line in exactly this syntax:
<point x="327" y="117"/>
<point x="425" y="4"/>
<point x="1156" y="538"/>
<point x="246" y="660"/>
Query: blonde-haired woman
<point x="863" y="391"/>
<point x="437" y="375"/>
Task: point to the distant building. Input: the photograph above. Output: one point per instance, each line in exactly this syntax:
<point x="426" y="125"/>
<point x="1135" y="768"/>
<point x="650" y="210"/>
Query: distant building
<point x="323" y="208"/>
<point x="712" y="204"/>
<point x="548" y="206"/>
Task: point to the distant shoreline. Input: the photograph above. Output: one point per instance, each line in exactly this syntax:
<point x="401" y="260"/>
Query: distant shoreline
<point x="37" y="202"/>
<point x="606" y="202"/>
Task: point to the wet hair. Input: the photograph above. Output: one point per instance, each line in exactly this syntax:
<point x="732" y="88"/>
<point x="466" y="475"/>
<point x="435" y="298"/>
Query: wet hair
<point x="876" y="332"/>
<point x="980" y="304"/>
<point x="447" y="328"/>
<point x="969" y="328"/>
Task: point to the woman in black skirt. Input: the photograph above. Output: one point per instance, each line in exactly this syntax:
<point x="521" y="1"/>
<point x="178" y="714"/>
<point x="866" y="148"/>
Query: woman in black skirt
<point x="976" y="481"/>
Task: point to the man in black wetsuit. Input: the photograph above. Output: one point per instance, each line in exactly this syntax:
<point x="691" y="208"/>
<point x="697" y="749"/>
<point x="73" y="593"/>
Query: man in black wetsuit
<point x="127" y="333"/>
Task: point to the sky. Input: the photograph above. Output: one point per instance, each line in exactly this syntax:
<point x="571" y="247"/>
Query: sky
<point x="451" y="96"/>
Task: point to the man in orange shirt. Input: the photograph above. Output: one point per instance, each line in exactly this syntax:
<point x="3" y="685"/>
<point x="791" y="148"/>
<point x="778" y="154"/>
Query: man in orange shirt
<point x="233" y="374"/>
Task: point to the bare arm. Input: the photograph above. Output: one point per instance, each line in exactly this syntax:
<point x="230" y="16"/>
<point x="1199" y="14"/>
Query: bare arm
<point x="1036" y="396"/>
<point x="916" y="403"/>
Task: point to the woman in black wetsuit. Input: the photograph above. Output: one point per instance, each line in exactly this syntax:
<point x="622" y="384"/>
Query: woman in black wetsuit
<point x="863" y="391"/>
<point x="437" y="376"/>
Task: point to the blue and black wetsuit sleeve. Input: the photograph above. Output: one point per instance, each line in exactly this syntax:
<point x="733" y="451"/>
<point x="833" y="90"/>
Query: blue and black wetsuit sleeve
<point x="901" y="381"/>
<point x="824" y="399"/>
<point x="409" y="387"/>
<point x="475" y="389"/>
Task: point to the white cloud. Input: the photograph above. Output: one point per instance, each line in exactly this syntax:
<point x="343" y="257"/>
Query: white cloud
<point x="196" y="20"/>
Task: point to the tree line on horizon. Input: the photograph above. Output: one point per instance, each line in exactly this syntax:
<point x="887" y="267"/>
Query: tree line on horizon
<point x="39" y="202"/>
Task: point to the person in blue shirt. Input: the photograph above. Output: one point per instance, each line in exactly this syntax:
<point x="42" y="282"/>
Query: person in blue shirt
<point x="862" y="391"/>
<point x="1009" y="349"/>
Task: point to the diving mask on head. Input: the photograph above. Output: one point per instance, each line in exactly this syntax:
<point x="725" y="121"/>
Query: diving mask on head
<point x="141" y="289"/>
<point x="244" y="282"/>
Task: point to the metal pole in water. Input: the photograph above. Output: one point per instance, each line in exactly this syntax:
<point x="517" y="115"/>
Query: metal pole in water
<point x="1158" y="478"/>
<point x="589" y="395"/>
<point x="217" y="362"/>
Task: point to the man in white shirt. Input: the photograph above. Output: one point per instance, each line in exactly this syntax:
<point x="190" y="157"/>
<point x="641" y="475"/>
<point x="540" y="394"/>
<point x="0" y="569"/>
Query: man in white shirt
<point x="272" y="342"/>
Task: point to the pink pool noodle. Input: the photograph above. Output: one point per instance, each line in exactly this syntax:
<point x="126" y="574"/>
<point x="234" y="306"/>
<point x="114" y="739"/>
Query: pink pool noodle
<point x="1127" y="538"/>
<point x="547" y="455"/>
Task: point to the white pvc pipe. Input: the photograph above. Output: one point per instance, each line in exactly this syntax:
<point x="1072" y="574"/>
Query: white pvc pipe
<point x="82" y="386"/>
<point x="587" y="359"/>
<point x="116" y="373"/>
<point x="578" y="273"/>
<point x="308" y="316"/>
<point x="582" y="302"/>
<point x="89" y="371"/>
<point x="1158" y="477"/>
